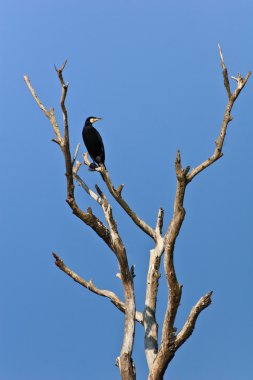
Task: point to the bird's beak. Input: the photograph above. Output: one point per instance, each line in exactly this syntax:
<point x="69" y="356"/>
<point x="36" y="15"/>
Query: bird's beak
<point x="97" y="119"/>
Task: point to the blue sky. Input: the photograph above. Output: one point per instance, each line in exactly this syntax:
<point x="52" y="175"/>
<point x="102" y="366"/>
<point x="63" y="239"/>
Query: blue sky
<point x="151" y="70"/>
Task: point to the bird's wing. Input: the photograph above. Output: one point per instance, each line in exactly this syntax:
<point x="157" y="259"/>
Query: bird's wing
<point x="101" y="150"/>
<point x="94" y="144"/>
<point x="99" y="139"/>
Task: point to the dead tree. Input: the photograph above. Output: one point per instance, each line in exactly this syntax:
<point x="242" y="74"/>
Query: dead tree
<point x="158" y="356"/>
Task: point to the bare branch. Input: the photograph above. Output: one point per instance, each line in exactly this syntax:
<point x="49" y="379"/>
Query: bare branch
<point x="166" y="350"/>
<point x="64" y="87"/>
<point x="116" y="193"/>
<point x="86" y="159"/>
<point x="35" y="96"/>
<point x="189" y="325"/>
<point x="56" y="141"/>
<point x="225" y="73"/>
<point x="77" y="166"/>
<point x="116" y="241"/>
<point x="65" y="147"/>
<point x="150" y="323"/>
<point x="226" y="119"/>
<point x="62" y="67"/>
<point x="50" y="114"/>
<point x="88" y="218"/>
<point x="125" y="361"/>
<point x="75" y="154"/>
<point x="240" y="84"/>
<point x="87" y="189"/>
<point x="159" y="223"/>
<point x="120" y="188"/>
<point x="91" y="287"/>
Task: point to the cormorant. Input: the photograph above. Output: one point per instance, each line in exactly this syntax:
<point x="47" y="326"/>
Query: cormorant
<point x="93" y="142"/>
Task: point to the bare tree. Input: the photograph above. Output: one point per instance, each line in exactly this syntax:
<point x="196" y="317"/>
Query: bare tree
<point x="158" y="356"/>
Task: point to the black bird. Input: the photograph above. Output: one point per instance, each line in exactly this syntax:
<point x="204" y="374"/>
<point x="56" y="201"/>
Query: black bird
<point x="93" y="142"/>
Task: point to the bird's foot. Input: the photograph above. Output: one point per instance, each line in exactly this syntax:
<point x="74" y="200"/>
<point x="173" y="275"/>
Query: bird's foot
<point x="92" y="166"/>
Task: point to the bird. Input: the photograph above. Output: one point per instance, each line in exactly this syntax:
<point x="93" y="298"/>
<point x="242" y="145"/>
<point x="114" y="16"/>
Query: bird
<point x="94" y="143"/>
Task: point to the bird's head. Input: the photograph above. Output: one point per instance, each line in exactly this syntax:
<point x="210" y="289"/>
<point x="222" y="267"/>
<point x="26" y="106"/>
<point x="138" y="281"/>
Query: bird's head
<point x="92" y="119"/>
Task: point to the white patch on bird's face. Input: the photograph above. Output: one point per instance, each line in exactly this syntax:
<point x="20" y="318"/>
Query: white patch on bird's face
<point x="94" y="119"/>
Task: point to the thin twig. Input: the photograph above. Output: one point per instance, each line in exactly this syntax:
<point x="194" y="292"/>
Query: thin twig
<point x="66" y="147"/>
<point x="225" y="73"/>
<point x="189" y="325"/>
<point x="87" y="189"/>
<point x="49" y="114"/>
<point x="75" y="154"/>
<point x="77" y="166"/>
<point x="159" y="223"/>
<point x="35" y="96"/>
<point x="64" y="87"/>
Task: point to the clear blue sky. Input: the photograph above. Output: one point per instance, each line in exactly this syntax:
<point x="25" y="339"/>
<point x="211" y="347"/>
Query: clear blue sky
<point x="151" y="69"/>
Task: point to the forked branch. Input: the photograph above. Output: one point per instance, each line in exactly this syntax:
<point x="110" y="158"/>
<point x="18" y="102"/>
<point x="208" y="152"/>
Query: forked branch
<point x="110" y="236"/>
<point x="117" y="195"/>
<point x="50" y="114"/>
<point x="157" y="358"/>
<point x="124" y="361"/>
<point x="170" y="341"/>
<point x="226" y="118"/>
<point x="84" y="186"/>
<point x="189" y="325"/>
<point x="88" y="218"/>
